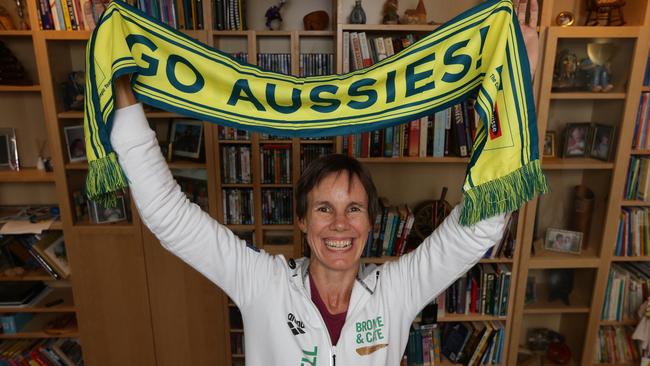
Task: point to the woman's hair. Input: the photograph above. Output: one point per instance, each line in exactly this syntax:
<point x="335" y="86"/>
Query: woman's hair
<point x="335" y="163"/>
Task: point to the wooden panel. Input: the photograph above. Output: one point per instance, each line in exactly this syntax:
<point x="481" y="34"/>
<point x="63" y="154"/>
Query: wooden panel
<point x="187" y="310"/>
<point x="110" y="291"/>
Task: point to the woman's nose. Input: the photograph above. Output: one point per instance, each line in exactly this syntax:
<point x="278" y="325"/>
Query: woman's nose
<point x="340" y="223"/>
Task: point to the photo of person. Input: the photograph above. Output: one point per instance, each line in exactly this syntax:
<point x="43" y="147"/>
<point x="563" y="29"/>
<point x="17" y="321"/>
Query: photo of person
<point x="187" y="137"/>
<point x="101" y="214"/>
<point x="564" y="241"/>
<point x="602" y="142"/>
<point x="74" y="139"/>
<point x="576" y="140"/>
<point x="549" y="144"/>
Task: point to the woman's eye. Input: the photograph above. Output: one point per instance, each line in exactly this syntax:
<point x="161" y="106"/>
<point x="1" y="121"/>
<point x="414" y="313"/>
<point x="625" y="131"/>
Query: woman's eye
<point x="355" y="209"/>
<point x="322" y="209"/>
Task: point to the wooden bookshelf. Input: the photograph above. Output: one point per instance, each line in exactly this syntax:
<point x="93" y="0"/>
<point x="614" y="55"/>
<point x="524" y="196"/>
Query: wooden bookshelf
<point x="26" y="175"/>
<point x="20" y="88"/>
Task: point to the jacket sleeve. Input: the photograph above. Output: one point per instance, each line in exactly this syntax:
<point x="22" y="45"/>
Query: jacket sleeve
<point x="181" y="226"/>
<point x="451" y="250"/>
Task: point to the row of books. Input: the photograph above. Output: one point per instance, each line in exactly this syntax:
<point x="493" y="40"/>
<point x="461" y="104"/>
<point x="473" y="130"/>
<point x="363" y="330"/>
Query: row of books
<point x="641" y="138"/>
<point x="236" y="164"/>
<point x="646" y="78"/>
<point x="309" y="153"/>
<point x="275" y="163"/>
<point x="276" y="62"/>
<point x="360" y="51"/>
<point x="467" y="343"/>
<point x="69" y="14"/>
<point x="238" y="206"/>
<point x="194" y="183"/>
<point x="277" y="206"/>
<point x="484" y="289"/>
<point x="229" y="14"/>
<point x="637" y="186"/>
<point x="316" y="64"/>
<point x="241" y="56"/>
<point x="633" y="232"/>
<point x="627" y="288"/>
<point x="179" y="14"/>
<point x="230" y="133"/>
<point x="616" y="346"/>
<point x="449" y="132"/>
<point x="54" y="352"/>
<point x="44" y="251"/>
<point x="237" y="343"/>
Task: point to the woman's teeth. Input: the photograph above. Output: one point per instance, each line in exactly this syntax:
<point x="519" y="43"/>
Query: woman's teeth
<point x="338" y="244"/>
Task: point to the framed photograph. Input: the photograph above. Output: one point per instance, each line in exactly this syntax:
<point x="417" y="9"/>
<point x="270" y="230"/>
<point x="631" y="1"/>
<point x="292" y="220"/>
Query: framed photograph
<point x="101" y="215"/>
<point x="52" y="249"/>
<point x="8" y="149"/>
<point x="74" y="139"/>
<point x="564" y="241"/>
<point x="549" y="144"/>
<point x="601" y="145"/>
<point x="576" y="140"/>
<point x="187" y="138"/>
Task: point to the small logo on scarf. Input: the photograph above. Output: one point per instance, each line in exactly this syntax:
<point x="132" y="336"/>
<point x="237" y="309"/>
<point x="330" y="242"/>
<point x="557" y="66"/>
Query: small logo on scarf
<point x="495" y="125"/>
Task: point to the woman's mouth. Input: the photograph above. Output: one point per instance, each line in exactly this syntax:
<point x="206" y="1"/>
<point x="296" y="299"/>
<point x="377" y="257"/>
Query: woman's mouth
<point x="338" y="244"/>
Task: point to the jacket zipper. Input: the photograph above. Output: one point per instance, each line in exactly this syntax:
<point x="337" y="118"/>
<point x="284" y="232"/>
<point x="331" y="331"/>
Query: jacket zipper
<point x="327" y="333"/>
<point x="333" y="355"/>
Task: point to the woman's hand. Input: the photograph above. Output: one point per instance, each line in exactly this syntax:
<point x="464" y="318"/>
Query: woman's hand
<point x="529" y="29"/>
<point x="124" y="96"/>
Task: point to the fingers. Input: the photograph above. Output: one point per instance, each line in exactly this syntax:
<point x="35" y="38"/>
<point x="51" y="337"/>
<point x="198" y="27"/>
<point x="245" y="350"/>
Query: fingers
<point x="534" y="13"/>
<point x="520" y="7"/>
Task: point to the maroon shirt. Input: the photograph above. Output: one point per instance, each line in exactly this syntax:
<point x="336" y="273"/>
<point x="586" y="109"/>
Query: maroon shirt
<point x="333" y="322"/>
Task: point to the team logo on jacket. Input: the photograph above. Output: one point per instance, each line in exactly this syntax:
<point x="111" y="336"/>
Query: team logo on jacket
<point x="296" y="326"/>
<point x="368" y="335"/>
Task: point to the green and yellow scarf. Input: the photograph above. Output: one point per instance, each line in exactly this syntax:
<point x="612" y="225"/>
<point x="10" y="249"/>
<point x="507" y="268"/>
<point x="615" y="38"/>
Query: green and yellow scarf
<point x="480" y="52"/>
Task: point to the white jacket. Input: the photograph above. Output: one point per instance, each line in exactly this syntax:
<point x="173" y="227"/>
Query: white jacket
<point x="273" y="294"/>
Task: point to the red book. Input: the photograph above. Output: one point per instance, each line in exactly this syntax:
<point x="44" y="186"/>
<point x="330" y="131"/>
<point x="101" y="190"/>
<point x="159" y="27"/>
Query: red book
<point x="414" y="138"/>
<point x="365" y="144"/>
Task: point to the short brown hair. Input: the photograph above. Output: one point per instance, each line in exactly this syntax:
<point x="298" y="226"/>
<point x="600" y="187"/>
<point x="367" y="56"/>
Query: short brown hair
<point x="334" y="163"/>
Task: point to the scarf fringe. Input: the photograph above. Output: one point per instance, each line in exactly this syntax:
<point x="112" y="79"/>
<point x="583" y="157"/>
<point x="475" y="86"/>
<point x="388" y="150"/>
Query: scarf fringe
<point x="504" y="194"/>
<point x="105" y="178"/>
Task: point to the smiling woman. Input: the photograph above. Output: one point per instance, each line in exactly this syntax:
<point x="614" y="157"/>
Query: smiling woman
<point x="316" y="310"/>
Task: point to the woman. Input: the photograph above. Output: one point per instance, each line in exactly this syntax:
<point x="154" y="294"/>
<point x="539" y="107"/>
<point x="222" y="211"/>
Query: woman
<point x="326" y="309"/>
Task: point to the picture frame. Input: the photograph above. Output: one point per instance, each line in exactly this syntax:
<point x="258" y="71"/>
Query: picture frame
<point x="75" y="143"/>
<point x="52" y="248"/>
<point x="550" y="139"/>
<point x="102" y="215"/>
<point x="186" y="136"/>
<point x="576" y="140"/>
<point x="564" y="241"/>
<point x="8" y="149"/>
<point x="601" y="142"/>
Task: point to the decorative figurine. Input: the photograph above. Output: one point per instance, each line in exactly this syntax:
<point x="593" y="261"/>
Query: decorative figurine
<point x="601" y="12"/>
<point x="565" y="72"/>
<point x="358" y="15"/>
<point x="560" y="284"/>
<point x="316" y="20"/>
<point x="415" y="16"/>
<point x="597" y="66"/>
<point x="273" y="16"/>
<point x="390" y="15"/>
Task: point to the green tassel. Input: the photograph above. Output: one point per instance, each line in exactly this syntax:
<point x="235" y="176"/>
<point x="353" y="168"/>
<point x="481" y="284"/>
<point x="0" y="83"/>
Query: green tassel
<point x="105" y="178"/>
<point x="505" y="194"/>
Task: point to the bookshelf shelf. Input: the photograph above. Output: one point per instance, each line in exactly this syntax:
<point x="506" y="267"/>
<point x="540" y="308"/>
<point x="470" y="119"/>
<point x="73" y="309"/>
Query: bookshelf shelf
<point x="415" y="160"/>
<point x="588" y="95"/>
<point x="276" y="185"/>
<point x="305" y="33"/>
<point x="388" y="27"/>
<point x="233" y="33"/>
<point x="575" y="164"/>
<point x="316" y="142"/>
<point x="640" y="152"/>
<point x="29" y="275"/>
<point x="469" y="318"/>
<point x="231" y="142"/>
<point x="598" y="32"/>
<point x="236" y="185"/>
<point x="53" y="35"/>
<point x="630" y="259"/>
<point x="384" y="259"/>
<point x="549" y="259"/>
<point x="26" y="175"/>
<point x="275" y="141"/>
<point x="57" y="225"/>
<point x="20" y="88"/>
<point x="645" y="88"/>
<point x="278" y="227"/>
<point x="635" y="203"/>
<point x="579" y="302"/>
<point x="16" y="33"/>
<point x="67" y="306"/>
<point x="36" y="329"/>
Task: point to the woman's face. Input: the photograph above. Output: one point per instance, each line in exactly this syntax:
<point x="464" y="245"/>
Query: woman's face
<point x="337" y="223"/>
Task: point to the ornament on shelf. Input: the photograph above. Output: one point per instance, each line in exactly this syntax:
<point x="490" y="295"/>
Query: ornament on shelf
<point x="583" y="207"/>
<point x="415" y="16"/>
<point x="21" y="15"/>
<point x="358" y="15"/>
<point x="273" y="16"/>
<point x="605" y="12"/>
<point x="316" y="20"/>
<point x="12" y="71"/>
<point x="597" y="67"/>
<point x="390" y="15"/>
<point x="560" y="284"/>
